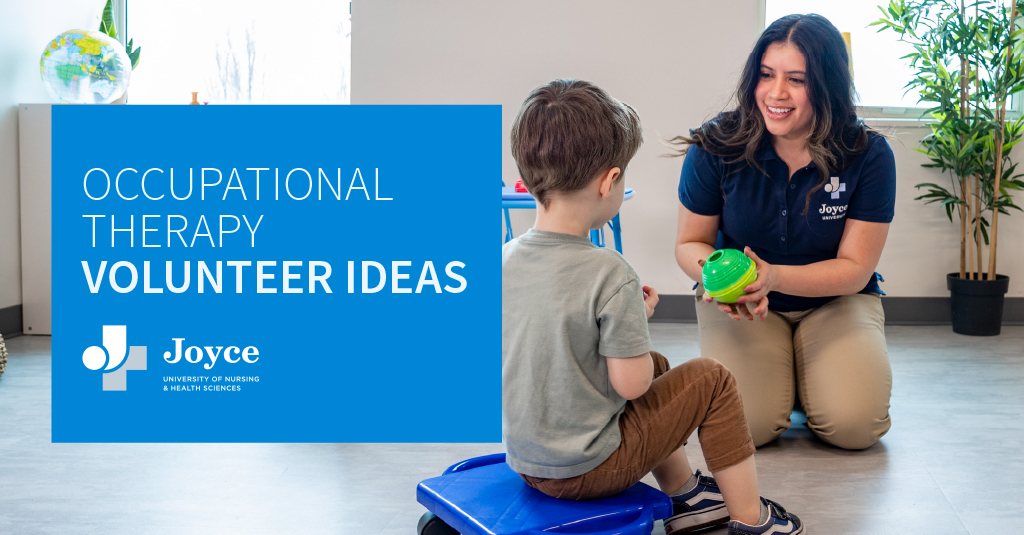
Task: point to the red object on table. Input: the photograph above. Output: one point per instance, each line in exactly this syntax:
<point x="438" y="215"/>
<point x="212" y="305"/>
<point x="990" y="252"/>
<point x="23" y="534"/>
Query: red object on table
<point x="520" y="188"/>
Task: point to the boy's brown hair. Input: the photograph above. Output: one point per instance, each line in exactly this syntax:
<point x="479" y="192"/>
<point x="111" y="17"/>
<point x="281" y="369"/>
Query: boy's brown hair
<point x="567" y="132"/>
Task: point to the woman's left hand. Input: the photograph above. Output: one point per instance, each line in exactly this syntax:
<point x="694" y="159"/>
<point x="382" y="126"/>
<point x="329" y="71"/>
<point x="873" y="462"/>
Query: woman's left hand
<point x="757" y="291"/>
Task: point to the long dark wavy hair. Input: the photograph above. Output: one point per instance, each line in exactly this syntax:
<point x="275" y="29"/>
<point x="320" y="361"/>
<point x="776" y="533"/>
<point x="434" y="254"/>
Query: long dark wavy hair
<point x="837" y="135"/>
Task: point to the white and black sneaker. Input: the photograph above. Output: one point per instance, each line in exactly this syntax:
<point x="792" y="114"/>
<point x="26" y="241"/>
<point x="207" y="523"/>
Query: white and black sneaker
<point x="774" y="520"/>
<point x="697" y="508"/>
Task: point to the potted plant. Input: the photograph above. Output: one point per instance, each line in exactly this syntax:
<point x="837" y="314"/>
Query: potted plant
<point x="968" y="60"/>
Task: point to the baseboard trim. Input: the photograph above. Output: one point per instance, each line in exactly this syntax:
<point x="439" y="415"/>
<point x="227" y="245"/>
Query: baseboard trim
<point x="10" y="321"/>
<point x="898" y="310"/>
<point x="675" y="309"/>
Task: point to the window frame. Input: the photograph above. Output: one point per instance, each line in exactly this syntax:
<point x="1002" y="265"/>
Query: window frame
<point x="119" y="10"/>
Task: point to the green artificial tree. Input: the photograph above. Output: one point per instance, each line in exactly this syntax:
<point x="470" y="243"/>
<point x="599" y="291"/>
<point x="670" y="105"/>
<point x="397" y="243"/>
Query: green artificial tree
<point x="967" y="61"/>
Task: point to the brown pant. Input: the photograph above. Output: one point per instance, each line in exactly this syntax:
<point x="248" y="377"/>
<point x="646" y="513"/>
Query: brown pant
<point x="698" y="394"/>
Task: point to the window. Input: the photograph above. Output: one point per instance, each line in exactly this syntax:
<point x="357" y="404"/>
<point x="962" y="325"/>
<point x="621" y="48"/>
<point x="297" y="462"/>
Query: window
<point x="879" y="74"/>
<point x="231" y="52"/>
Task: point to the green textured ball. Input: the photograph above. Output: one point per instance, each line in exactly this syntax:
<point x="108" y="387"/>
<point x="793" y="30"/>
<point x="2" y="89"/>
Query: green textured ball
<point x="726" y="273"/>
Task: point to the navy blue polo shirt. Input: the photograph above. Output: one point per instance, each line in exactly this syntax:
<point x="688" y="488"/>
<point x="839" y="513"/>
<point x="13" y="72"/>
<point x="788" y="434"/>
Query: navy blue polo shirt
<point x="767" y="212"/>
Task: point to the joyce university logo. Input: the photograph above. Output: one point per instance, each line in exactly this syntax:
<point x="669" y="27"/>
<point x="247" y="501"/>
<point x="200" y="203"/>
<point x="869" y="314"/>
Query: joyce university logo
<point x="835" y="187"/>
<point x="111" y="357"/>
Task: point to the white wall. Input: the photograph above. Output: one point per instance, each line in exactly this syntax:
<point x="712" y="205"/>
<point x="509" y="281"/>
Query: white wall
<point x="25" y="30"/>
<point x="676" y="61"/>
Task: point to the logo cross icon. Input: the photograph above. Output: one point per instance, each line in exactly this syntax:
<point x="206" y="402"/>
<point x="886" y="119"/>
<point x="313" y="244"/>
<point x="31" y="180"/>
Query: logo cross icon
<point x="111" y="357"/>
<point x="835" y="187"/>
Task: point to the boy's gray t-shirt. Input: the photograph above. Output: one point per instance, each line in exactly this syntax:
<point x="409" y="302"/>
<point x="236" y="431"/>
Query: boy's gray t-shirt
<point x="566" y="305"/>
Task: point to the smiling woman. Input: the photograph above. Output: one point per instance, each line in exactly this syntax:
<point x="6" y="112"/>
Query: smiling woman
<point x="782" y="94"/>
<point x="750" y="178"/>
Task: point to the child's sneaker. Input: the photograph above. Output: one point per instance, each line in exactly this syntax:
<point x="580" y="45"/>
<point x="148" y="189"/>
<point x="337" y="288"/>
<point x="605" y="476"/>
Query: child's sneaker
<point x="697" y="508"/>
<point x="777" y="521"/>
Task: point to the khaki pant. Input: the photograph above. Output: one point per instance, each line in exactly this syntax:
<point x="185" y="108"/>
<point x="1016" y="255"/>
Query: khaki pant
<point x="834" y="356"/>
<point x="698" y="394"/>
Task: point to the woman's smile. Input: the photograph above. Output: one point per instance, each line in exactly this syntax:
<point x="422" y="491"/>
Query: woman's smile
<point x="778" y="113"/>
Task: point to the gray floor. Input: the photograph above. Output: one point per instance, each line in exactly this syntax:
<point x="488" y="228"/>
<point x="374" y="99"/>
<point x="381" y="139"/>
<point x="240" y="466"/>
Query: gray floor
<point x="953" y="462"/>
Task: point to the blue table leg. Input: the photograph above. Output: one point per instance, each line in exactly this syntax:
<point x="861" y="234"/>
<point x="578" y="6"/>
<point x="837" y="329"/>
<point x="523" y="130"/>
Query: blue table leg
<point x="508" y="226"/>
<point x="616" y="232"/>
<point x="597" y="236"/>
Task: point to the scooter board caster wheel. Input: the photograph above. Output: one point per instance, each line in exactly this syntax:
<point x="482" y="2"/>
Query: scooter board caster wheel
<point x="431" y="524"/>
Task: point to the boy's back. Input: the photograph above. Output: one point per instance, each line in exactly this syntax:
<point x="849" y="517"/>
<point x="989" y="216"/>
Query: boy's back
<point x="566" y="306"/>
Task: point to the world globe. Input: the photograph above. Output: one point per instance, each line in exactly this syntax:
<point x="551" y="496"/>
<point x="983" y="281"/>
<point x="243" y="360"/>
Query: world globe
<point x="85" y="67"/>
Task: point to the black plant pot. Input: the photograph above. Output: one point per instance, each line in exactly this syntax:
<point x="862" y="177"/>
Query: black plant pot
<point x="977" y="305"/>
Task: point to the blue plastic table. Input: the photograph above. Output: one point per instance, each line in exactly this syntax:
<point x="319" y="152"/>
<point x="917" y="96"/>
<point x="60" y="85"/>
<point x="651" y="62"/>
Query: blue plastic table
<point x="483" y="496"/>
<point x="510" y="198"/>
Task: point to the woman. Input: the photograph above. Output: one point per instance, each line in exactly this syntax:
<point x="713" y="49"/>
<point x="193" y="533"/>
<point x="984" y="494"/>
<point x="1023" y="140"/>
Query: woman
<point x="794" y="179"/>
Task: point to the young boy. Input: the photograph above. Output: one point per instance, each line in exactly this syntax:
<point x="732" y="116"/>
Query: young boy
<point x="588" y="407"/>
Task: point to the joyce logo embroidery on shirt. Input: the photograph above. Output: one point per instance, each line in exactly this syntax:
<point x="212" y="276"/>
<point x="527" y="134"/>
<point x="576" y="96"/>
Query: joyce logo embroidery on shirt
<point x="832" y="212"/>
<point x="835" y="187"/>
<point x="111" y="357"/>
